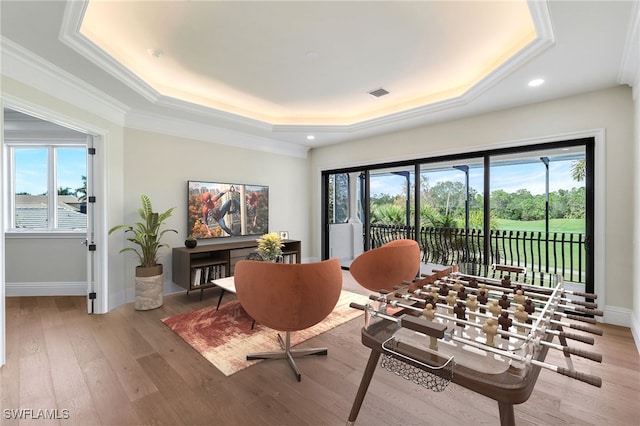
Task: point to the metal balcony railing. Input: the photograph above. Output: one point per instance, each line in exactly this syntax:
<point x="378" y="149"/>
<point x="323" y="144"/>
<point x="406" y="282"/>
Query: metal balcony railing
<point x="558" y="253"/>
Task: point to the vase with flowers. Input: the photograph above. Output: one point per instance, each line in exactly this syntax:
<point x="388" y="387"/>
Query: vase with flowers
<point x="270" y="247"/>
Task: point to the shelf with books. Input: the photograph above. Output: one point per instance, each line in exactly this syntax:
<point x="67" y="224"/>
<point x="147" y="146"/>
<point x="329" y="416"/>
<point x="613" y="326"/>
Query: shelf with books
<point x="196" y="268"/>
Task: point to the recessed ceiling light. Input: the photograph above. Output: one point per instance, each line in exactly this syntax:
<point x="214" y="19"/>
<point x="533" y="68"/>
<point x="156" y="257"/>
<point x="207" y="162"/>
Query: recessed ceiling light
<point x="536" y="82"/>
<point x="310" y="137"/>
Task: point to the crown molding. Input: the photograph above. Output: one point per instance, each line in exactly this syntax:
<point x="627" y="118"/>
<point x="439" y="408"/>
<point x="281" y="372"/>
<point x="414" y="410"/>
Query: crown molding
<point x="220" y="116"/>
<point x="544" y="42"/>
<point x="630" y="66"/>
<point x="189" y="129"/>
<point x="71" y="36"/>
<point x="24" y="66"/>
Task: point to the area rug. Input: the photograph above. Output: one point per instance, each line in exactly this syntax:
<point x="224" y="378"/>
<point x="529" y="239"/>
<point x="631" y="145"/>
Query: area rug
<point x="224" y="337"/>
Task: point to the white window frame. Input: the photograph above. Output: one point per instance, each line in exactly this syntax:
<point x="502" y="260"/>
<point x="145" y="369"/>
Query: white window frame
<point x="52" y="187"/>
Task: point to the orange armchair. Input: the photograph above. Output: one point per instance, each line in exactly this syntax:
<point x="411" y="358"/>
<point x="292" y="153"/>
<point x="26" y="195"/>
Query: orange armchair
<point x="387" y="266"/>
<point x="288" y="297"/>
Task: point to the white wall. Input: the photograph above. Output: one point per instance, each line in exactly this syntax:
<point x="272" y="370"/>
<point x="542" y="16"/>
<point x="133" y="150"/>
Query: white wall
<point x="635" y="319"/>
<point x="45" y="266"/>
<point x="160" y="166"/>
<point x="2" y="265"/>
<point x="611" y="110"/>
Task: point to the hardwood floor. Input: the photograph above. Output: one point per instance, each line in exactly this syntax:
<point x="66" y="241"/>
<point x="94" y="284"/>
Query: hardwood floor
<point x="126" y="367"/>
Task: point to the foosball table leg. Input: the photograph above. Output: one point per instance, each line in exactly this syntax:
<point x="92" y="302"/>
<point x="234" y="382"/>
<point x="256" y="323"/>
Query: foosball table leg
<point x="507" y="417"/>
<point x="364" y="385"/>
<point x="563" y="342"/>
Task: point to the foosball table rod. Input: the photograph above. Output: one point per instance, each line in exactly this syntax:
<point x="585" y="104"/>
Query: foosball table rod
<point x="580" y="309"/>
<point x="525" y="286"/>
<point x="594" y="356"/>
<point x="580" y="327"/>
<point x="410" y="320"/>
<point x="498" y="290"/>
<point x="583" y="377"/>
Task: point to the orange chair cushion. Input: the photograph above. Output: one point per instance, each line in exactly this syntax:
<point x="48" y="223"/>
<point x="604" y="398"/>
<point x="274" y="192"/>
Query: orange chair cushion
<point x="387" y="266"/>
<point x="288" y="297"/>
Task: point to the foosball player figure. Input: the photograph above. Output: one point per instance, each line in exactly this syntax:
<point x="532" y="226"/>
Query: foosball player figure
<point x="504" y="302"/>
<point x="529" y="308"/>
<point x="462" y="293"/>
<point x="457" y="285"/>
<point x="460" y="310"/>
<point x="444" y="290"/>
<point x="490" y="328"/>
<point x="519" y="297"/>
<point x="504" y="321"/>
<point x="433" y="291"/>
<point x="472" y="305"/>
<point x="429" y="299"/>
<point x="473" y="283"/>
<point x="451" y="298"/>
<point x="428" y="312"/>
<point x="506" y="281"/>
<point x="495" y="308"/>
<point x="483" y="299"/>
<point x="521" y="316"/>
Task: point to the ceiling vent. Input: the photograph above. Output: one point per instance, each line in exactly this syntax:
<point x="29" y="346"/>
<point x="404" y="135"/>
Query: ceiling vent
<point x="378" y="92"/>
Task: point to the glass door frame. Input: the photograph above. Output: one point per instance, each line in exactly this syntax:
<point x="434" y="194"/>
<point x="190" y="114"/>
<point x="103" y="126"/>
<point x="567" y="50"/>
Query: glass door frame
<point x="588" y="142"/>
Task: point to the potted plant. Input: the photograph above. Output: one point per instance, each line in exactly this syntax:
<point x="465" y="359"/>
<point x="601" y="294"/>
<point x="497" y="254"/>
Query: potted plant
<point x="270" y="247"/>
<point x="147" y="235"/>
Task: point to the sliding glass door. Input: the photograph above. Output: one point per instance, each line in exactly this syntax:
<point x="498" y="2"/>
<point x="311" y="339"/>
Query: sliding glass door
<point x="451" y="210"/>
<point x="529" y="206"/>
<point x="538" y="209"/>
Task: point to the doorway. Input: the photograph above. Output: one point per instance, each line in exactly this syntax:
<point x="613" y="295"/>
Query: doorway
<point x="50" y="209"/>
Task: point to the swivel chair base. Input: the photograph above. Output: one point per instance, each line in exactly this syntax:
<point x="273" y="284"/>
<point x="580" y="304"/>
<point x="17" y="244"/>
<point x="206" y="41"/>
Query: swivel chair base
<point x="288" y="353"/>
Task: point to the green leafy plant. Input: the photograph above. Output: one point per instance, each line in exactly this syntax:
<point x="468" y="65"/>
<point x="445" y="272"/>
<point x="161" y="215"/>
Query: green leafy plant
<point x="146" y="234"/>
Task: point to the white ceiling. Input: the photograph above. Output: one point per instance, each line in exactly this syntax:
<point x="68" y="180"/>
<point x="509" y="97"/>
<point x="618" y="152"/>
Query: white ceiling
<point x="310" y="62"/>
<point x="270" y="73"/>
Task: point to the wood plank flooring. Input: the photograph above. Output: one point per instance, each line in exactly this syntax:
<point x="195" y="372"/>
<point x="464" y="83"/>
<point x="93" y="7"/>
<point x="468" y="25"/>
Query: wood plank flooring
<point x="127" y="368"/>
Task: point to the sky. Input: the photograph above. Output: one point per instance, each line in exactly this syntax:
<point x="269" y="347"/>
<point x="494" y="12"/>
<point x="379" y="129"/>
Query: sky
<point x="31" y="169"/>
<point x="508" y="178"/>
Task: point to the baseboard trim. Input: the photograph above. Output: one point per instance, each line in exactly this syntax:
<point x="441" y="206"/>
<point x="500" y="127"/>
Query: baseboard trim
<point x="617" y="316"/>
<point x="46" y="289"/>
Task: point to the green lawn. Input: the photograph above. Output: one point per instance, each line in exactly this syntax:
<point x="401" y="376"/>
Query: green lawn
<point x="558" y="251"/>
<point x="555" y="225"/>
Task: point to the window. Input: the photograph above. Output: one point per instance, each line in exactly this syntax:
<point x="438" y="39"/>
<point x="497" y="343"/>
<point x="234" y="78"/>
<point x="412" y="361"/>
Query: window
<point x="48" y="186"/>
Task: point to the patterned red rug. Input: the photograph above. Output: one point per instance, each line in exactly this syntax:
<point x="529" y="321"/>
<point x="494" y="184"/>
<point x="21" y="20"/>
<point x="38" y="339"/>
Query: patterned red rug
<point x="224" y="337"/>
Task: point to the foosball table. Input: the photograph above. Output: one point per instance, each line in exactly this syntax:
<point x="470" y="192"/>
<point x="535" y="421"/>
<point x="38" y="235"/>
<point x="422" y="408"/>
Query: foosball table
<point x="488" y="334"/>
